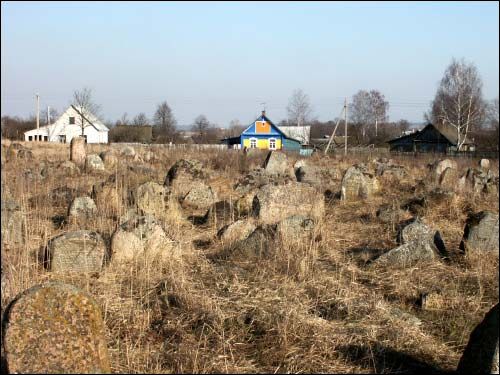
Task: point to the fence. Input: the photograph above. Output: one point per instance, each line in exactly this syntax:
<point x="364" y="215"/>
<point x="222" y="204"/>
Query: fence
<point x="174" y="146"/>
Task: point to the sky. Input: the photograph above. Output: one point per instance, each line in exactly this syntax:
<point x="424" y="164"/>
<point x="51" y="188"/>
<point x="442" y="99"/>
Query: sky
<point x="224" y="59"/>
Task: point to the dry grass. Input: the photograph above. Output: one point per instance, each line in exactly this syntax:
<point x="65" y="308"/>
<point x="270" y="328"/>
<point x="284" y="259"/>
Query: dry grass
<point x="318" y="307"/>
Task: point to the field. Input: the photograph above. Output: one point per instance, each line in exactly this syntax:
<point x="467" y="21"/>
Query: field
<point x="318" y="307"/>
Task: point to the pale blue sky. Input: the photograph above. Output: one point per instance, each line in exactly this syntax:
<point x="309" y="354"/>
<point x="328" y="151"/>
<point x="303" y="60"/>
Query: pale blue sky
<point x="224" y="59"/>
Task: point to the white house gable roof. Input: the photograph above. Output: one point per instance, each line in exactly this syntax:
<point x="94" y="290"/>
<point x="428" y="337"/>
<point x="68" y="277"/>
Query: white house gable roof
<point x="94" y="121"/>
<point x="300" y="133"/>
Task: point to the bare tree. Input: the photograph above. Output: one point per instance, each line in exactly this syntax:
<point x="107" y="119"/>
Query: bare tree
<point x="123" y="120"/>
<point x="165" y="122"/>
<point x="299" y="108"/>
<point x="141" y="119"/>
<point x="459" y="99"/>
<point x="368" y="108"/>
<point x="86" y="106"/>
<point x="200" y="125"/>
<point x="492" y="114"/>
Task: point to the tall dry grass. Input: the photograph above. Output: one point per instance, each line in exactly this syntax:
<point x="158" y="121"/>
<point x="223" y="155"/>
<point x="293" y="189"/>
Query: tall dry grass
<point x="317" y="306"/>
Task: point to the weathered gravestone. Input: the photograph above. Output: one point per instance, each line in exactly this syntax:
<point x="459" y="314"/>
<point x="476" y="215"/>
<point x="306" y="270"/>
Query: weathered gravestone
<point x="151" y="198"/>
<point x="82" y="208"/>
<point x="440" y="166"/>
<point x="199" y="197"/>
<point x="55" y="328"/>
<point x="109" y="158"/>
<point x="272" y="203"/>
<point x="79" y="251"/>
<point x="481" y="354"/>
<point x="276" y="163"/>
<point x="13" y="224"/>
<point x="182" y="175"/>
<point x="139" y="236"/>
<point x="77" y="151"/>
<point x="358" y="184"/>
<point x="94" y="163"/>
<point x="481" y="232"/>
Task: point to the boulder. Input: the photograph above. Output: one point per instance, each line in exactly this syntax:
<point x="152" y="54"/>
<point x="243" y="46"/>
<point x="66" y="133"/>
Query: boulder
<point x="55" y="328"/>
<point x="82" y="208"/>
<point x="181" y="176"/>
<point x="259" y="244"/>
<point x="199" y="197"/>
<point x="481" y="353"/>
<point x="13" y="224"/>
<point x="296" y="227"/>
<point x="77" y="151"/>
<point x="272" y="203"/>
<point x="79" y="251"/>
<point x="151" y="198"/>
<point x="484" y="165"/>
<point x="128" y="151"/>
<point x="68" y="168"/>
<point x="109" y="158"/>
<point x="94" y="163"/>
<point x="139" y="236"/>
<point x="258" y="178"/>
<point x="449" y="178"/>
<point x="408" y="253"/>
<point x="276" y="163"/>
<point x="439" y="167"/>
<point x="481" y="232"/>
<point x="237" y="231"/>
<point x="415" y="230"/>
<point x="358" y="184"/>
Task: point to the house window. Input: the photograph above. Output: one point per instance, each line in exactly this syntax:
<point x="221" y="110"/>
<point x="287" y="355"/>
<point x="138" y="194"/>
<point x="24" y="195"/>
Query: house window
<point x="72" y="121"/>
<point x="62" y="138"/>
<point x="30" y="138"/>
<point x="45" y="138"/>
<point x="85" y="136"/>
<point x="272" y="144"/>
<point x="253" y="143"/>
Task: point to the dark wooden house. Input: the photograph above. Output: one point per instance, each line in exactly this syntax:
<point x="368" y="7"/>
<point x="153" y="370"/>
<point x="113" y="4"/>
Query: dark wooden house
<point x="442" y="139"/>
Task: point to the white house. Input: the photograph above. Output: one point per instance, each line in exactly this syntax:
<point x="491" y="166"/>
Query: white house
<point x="67" y="126"/>
<point x="300" y="133"/>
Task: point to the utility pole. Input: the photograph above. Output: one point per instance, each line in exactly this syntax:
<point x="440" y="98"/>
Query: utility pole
<point x="37" y="112"/>
<point x="48" y="115"/>
<point x="345" y="124"/>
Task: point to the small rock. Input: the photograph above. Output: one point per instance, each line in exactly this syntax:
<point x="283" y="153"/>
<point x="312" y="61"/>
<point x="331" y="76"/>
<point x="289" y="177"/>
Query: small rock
<point x="83" y="208"/>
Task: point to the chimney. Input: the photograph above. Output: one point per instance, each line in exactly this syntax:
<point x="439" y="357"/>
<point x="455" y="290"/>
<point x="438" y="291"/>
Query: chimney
<point x="263" y="113"/>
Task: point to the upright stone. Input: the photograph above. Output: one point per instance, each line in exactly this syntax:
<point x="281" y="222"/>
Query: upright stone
<point x="481" y="353"/>
<point x="55" y="328"/>
<point x="273" y="204"/>
<point x="13" y="224"/>
<point x="277" y="164"/>
<point x="79" y="251"/>
<point x="481" y="232"/>
<point x="77" y="151"/>
<point x="94" y="163"/>
<point x="357" y="184"/>
<point x="151" y="198"/>
<point x="440" y="166"/>
<point x="82" y="208"/>
<point x="484" y="164"/>
<point x="449" y="178"/>
<point x="182" y="174"/>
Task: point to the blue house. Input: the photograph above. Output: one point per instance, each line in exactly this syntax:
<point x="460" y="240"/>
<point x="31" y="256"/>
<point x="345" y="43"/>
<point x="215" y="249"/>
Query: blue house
<point x="264" y="135"/>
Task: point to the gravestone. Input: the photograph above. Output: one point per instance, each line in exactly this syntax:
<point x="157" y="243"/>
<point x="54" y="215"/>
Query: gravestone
<point x="55" y="328"/>
<point x="77" y="151"/>
<point x="481" y="232"/>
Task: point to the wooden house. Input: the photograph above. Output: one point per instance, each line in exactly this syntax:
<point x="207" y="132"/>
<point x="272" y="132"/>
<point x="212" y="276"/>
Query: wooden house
<point x="442" y="139"/>
<point x="263" y="134"/>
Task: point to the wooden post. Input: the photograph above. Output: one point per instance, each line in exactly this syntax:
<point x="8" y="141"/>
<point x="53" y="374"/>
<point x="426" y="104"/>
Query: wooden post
<point x="345" y="124"/>
<point x="37" y="113"/>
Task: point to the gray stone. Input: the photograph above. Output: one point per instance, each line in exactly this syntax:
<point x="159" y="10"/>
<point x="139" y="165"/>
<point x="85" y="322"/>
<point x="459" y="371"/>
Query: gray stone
<point x="481" y="232"/>
<point x="449" y="178"/>
<point x="94" y="163"/>
<point x="297" y="227"/>
<point x="408" y="253"/>
<point x="83" y="208"/>
<point x="258" y="178"/>
<point x="181" y="176"/>
<point x="276" y="163"/>
<point x="259" y="244"/>
<point x="79" y="251"/>
<point x="481" y="354"/>
<point x="77" y="151"/>
<point x="309" y="175"/>
<point x="358" y="184"/>
<point x="13" y="224"/>
<point x="199" y="197"/>
<point x="439" y="167"/>
<point x="484" y="164"/>
<point x="55" y="328"/>
<point x="151" y="198"/>
<point x="237" y="231"/>
<point x="414" y="230"/>
<point x="139" y="236"/>
<point x="272" y="203"/>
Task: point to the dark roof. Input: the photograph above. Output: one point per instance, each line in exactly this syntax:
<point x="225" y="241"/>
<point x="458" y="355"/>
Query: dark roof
<point x="447" y="131"/>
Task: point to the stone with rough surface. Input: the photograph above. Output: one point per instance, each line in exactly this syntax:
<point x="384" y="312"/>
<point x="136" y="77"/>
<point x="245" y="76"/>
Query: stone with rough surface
<point x="55" y="328"/>
<point x="13" y="224"/>
<point x="277" y="164"/>
<point x="82" y="208"/>
<point x="199" y="197"/>
<point x="239" y="230"/>
<point x="481" y="353"/>
<point x="77" y="151"/>
<point x="94" y="163"/>
<point x="79" y="251"/>
<point x="151" y="198"/>
<point x="481" y="232"/>
<point x="181" y="176"/>
<point x="357" y="184"/>
<point x="272" y="203"/>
